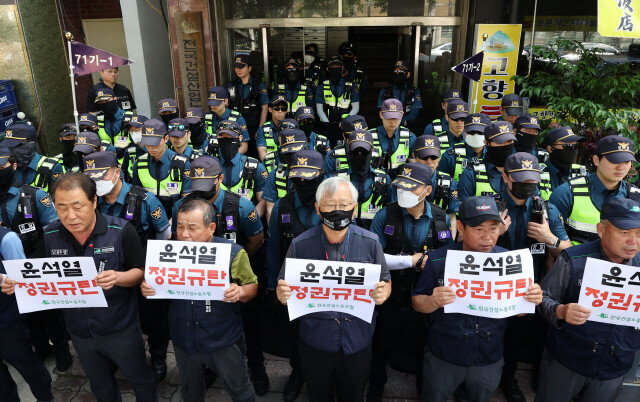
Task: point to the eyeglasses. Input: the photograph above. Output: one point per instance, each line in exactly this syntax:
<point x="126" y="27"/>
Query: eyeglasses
<point x="430" y="158"/>
<point x="461" y="119"/>
<point x="475" y="133"/>
<point x="341" y="207"/>
<point x="227" y="126"/>
<point x="279" y="109"/>
<point x="570" y="147"/>
<point x="305" y="122"/>
<point x="173" y="127"/>
<point x="292" y="69"/>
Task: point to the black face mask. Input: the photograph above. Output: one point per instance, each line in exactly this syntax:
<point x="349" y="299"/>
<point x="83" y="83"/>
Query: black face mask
<point x="348" y="61"/>
<point x="337" y="219"/>
<point x="335" y="75"/>
<point x="198" y="135"/>
<point x="166" y="118"/>
<point x="6" y="178"/>
<point x="109" y="109"/>
<point x="306" y="190"/>
<point x="24" y="153"/>
<point x="206" y="195"/>
<point x="292" y="78"/>
<point x="498" y="155"/>
<point x="79" y="156"/>
<point x="285" y="159"/>
<point x="228" y="148"/>
<point x="68" y="157"/>
<point x="563" y="159"/>
<point x="399" y="79"/>
<point x="525" y="142"/>
<point x="523" y="191"/>
<point x="360" y="163"/>
<point x="307" y="127"/>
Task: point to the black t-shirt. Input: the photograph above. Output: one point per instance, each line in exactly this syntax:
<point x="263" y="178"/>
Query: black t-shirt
<point x="125" y="99"/>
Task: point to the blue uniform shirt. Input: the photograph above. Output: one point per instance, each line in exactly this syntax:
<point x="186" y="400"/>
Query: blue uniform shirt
<point x="250" y="224"/>
<point x="292" y="95"/>
<point x="11" y="248"/>
<point x="415" y="229"/>
<point x="557" y="178"/>
<point x="313" y="139"/>
<point x="112" y="127"/>
<point x="307" y="216"/>
<point x="336" y="91"/>
<point x="270" y="192"/>
<point x="225" y="116"/>
<point x="454" y="202"/>
<point x="261" y="141"/>
<point x="232" y="171"/>
<point x="563" y="199"/>
<point x="351" y="76"/>
<point x="152" y="214"/>
<point x="46" y="212"/>
<point x="385" y="141"/>
<point x="245" y="89"/>
<point x="429" y="129"/>
<point x="188" y="151"/>
<point x="29" y="174"/>
<point x="467" y="181"/>
<point x="400" y="93"/>
<point x="165" y="163"/>
<point x="448" y="159"/>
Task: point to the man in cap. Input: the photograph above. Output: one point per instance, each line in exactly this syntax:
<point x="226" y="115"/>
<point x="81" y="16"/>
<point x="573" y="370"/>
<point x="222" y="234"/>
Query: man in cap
<point x="441" y="125"/>
<point x="161" y="171"/>
<point x="486" y="178"/>
<point x="526" y="128"/>
<point x="306" y="119"/>
<point x="402" y="90"/>
<point x="471" y="151"/>
<point x="267" y="136"/>
<point x="105" y="338"/>
<point x="313" y="66"/>
<point x="67" y="158"/>
<point x="296" y="93"/>
<point x="110" y="117"/>
<point x="248" y="96"/>
<point x="145" y="212"/>
<point x="394" y="142"/>
<point x="336" y="97"/>
<point x="292" y="215"/>
<point x="457" y="112"/>
<point x="168" y="109"/>
<point x="195" y="118"/>
<point x="218" y="110"/>
<point x="535" y="225"/>
<point x="511" y="107"/>
<point x="32" y="169"/>
<point x="350" y="123"/>
<point x="215" y="339"/>
<point x="272" y="160"/>
<point x="91" y="122"/>
<point x="180" y="137"/>
<point x="135" y="149"/>
<point x="584" y="357"/>
<point x="407" y="230"/>
<point x="353" y="161"/>
<point x="353" y="72"/>
<point x="108" y="79"/>
<point x="347" y="126"/>
<point x="336" y="355"/>
<point x="562" y="150"/>
<point x="87" y="143"/>
<point x="458" y="349"/>
<point x="580" y="199"/>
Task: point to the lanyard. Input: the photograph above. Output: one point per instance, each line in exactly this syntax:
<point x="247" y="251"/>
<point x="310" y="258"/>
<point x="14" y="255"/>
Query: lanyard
<point x="346" y="244"/>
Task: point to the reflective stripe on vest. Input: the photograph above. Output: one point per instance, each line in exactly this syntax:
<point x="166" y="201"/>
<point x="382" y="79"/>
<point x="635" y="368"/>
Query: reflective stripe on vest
<point x="168" y="186"/>
<point x="581" y="223"/>
<point x="300" y="101"/>
<point x="437" y="127"/>
<point x="208" y="121"/>
<point x="342" y="163"/>
<point x="270" y="161"/>
<point x="460" y="151"/>
<point x="46" y="163"/>
<point x="401" y="154"/>
<point x="444" y="142"/>
<point x="545" y="184"/>
<point x="269" y="138"/>
<point x="342" y="103"/>
<point x="281" y="181"/>
<point x="483" y="185"/>
<point x="241" y="188"/>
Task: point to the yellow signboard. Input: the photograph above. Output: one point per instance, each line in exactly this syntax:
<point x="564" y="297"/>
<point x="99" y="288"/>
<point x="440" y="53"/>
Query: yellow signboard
<point x="619" y="18"/>
<point x="501" y="50"/>
<point x="554" y="23"/>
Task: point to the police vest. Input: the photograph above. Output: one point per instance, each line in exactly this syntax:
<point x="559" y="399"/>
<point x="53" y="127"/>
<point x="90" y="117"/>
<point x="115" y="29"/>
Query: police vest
<point x="8" y="305"/>
<point x="593" y="349"/>
<point x="546" y="188"/>
<point x="459" y="151"/>
<point x="206" y="326"/>
<point x="438" y="128"/>
<point x="167" y="190"/>
<point x="106" y="251"/>
<point x="332" y="331"/>
<point x="120" y="141"/>
<point x="398" y="242"/>
<point x="213" y="148"/>
<point x="443" y="137"/>
<point x="248" y="177"/>
<point x="401" y="153"/>
<point x="299" y="101"/>
<point x="270" y="161"/>
<point x="337" y="108"/>
<point x="44" y="171"/>
<point x="132" y="157"/>
<point x="482" y="183"/>
<point x="581" y="223"/>
<point x="387" y="93"/>
<point x="26" y="222"/>
<point x="228" y="220"/>
<point x="269" y="136"/>
<point x="132" y="211"/>
<point x="358" y="78"/>
<point x="282" y="174"/>
<point x="248" y="107"/>
<point x="369" y="208"/>
<point x="289" y="223"/>
<point x="442" y="192"/>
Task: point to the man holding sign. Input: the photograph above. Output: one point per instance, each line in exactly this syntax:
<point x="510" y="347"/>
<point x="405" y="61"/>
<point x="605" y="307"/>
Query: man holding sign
<point x="206" y="332"/>
<point x="463" y="348"/>
<point x="335" y="347"/>
<point x="582" y="355"/>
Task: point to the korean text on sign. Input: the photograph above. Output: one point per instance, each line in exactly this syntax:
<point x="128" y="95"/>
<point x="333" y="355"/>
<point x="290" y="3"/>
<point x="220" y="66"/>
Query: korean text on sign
<point x="612" y="292"/>
<point x="51" y="283"/>
<point x="338" y="286"/>
<point x="489" y="284"/>
<point x="187" y="270"/>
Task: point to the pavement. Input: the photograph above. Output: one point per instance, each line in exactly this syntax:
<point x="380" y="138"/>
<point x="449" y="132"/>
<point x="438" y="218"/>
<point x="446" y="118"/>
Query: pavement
<point x="72" y="385"/>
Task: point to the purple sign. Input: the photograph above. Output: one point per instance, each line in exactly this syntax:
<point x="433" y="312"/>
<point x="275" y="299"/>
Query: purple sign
<point x="472" y="67"/>
<point x="87" y="59"/>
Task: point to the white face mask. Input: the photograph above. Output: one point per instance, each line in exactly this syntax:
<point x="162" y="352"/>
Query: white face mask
<point x="104" y="187"/>
<point x="474" y="141"/>
<point x="406" y="199"/>
<point x="308" y="59"/>
<point x="136" y="137"/>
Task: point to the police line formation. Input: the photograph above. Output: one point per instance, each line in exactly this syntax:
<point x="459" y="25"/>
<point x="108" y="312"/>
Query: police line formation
<point x="383" y="195"/>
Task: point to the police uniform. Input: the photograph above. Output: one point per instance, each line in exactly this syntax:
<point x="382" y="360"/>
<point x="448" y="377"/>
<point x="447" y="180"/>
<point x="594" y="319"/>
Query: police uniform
<point x="572" y="170"/>
<point x="512" y="105"/>
<point x="335" y="100"/>
<point x="395" y="150"/>
<point x="441" y="125"/>
<point x="277" y="184"/>
<point x="67" y="158"/>
<point x="405" y="93"/>
<point x="244" y="176"/>
<point x="174" y="130"/>
<point x="306" y="118"/>
<point x="592" y="358"/>
<point x="122" y="94"/>
<point x="89" y="122"/>
<point x="267" y="134"/>
<point x="217" y="96"/>
<point x="112" y="130"/>
<point x="296" y="98"/>
<point x="247" y="99"/>
<point x="455" y="159"/>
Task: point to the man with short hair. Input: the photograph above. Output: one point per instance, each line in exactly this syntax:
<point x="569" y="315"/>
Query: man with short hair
<point x="441" y="125"/>
<point x="562" y="149"/>
<point x="267" y="135"/>
<point x="511" y="107"/>
<point x="402" y="90"/>
<point x="180" y="138"/>
<point x="108" y="79"/>
<point x="336" y="97"/>
<point x="394" y="142"/>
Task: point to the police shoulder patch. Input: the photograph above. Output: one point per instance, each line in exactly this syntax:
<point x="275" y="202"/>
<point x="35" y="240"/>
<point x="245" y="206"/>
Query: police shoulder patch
<point x="253" y="216"/>
<point x="186" y="173"/>
<point x="46" y="201"/>
<point x="264" y="90"/>
<point x="265" y="174"/>
<point x="157" y="214"/>
<point x="56" y="175"/>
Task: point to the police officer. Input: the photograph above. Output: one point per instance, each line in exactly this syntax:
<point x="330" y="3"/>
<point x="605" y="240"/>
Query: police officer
<point x="562" y="149"/>
<point x="108" y="79"/>
<point x="292" y="215"/>
<point x="511" y="107"/>
<point x="87" y="143"/>
<point x="458" y="349"/>
<point x="135" y="149"/>
<point x="67" y="158"/>
<point x="394" y="142"/>
<point x="16" y="348"/>
<point x="161" y="171"/>
<point x="336" y="97"/>
<point x="168" y="110"/>
<point x="584" y="357"/>
<point x="330" y="353"/>
<point x="210" y="339"/>
<point x="348" y="125"/>
<point x="441" y="125"/>
<point x="180" y="137"/>
<point x="306" y="118"/>
<point x="296" y="93"/>
<point x="406" y="93"/>
<point x="109" y="337"/>
<point x="580" y="199"/>
<point x="536" y="225"/>
<point x="32" y="169"/>
<point x="457" y="112"/>
<point x="218" y="111"/>
<point x="195" y="117"/>
<point x="407" y="230"/>
<point x="267" y="136"/>
<point x="486" y="178"/>
<point x="353" y="72"/>
<point x="248" y="96"/>
<point x="277" y="186"/>
<point x="353" y="161"/>
<point x="526" y="129"/>
<point x="110" y="118"/>
<point x="313" y="66"/>
<point x="469" y="152"/>
<point x="91" y="122"/>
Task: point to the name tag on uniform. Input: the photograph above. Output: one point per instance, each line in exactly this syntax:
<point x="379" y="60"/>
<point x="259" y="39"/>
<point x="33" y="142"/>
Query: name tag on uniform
<point x="538" y="248"/>
<point x="59" y="251"/>
<point x="373" y="208"/>
<point x="172" y="187"/>
<point x="27" y="227"/>
<point x="445" y="234"/>
<point x="230" y="236"/>
<point x="401" y="158"/>
<point x="126" y="105"/>
<point x="104" y="250"/>
<point x="244" y="193"/>
<point x="123" y="140"/>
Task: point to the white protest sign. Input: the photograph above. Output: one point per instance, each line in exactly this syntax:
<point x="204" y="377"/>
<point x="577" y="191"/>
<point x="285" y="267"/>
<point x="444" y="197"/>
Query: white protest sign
<point x="339" y="286"/>
<point x="489" y="284"/>
<point x="187" y="270"/>
<point x="612" y="292"/>
<point x="52" y="283"/>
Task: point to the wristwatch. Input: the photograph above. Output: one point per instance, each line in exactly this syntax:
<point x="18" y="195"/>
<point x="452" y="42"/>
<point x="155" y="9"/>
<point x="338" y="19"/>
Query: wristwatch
<point x="556" y="244"/>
